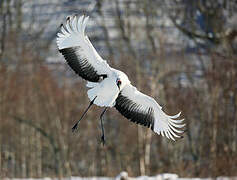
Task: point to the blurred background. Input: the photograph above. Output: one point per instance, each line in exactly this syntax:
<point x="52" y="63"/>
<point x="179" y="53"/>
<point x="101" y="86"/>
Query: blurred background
<point x="181" y="52"/>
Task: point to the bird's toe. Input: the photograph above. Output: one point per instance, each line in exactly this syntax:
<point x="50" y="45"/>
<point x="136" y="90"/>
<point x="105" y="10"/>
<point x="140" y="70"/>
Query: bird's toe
<point x="74" y="127"/>
<point x="103" y="139"/>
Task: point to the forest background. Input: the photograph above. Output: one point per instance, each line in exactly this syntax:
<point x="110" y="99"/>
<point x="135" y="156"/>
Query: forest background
<point x="181" y="52"/>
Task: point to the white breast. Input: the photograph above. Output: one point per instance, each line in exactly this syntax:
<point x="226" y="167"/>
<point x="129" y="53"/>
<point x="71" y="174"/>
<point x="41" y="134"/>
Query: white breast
<point x="105" y="92"/>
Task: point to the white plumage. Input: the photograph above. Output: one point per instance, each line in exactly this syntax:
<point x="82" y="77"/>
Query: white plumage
<point x="105" y="92"/>
<point x="73" y="35"/>
<point x="110" y="87"/>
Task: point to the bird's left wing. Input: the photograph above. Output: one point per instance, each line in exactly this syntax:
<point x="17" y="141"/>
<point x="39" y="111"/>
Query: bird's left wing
<point x="144" y="110"/>
<point x="79" y="52"/>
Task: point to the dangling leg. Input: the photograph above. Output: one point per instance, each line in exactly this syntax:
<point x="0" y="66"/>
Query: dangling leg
<point x="76" y="124"/>
<point x="102" y="126"/>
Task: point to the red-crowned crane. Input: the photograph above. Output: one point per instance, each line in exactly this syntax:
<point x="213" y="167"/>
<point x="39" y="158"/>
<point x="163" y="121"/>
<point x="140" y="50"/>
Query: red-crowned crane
<point x="110" y="87"/>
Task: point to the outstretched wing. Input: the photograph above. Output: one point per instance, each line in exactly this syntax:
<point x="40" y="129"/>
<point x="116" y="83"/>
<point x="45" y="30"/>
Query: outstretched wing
<point x="144" y="110"/>
<point x="79" y="52"/>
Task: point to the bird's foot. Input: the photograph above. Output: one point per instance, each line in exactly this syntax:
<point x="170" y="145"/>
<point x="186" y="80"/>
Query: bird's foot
<point x="74" y="127"/>
<point x="103" y="139"/>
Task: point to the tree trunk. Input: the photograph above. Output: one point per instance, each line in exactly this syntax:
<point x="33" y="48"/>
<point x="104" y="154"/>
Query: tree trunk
<point x="142" y="166"/>
<point x="38" y="155"/>
<point x="215" y="104"/>
<point x="148" y="150"/>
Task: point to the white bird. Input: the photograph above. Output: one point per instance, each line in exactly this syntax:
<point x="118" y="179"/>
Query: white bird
<point x="109" y="87"/>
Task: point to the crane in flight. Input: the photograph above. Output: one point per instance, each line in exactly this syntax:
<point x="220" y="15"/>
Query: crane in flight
<point x="109" y="87"/>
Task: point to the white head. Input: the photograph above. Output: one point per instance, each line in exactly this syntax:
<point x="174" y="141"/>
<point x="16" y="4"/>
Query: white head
<point x="121" y="79"/>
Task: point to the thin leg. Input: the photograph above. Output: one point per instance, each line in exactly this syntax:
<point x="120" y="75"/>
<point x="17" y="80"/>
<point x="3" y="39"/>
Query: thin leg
<point x="76" y="124"/>
<point x="102" y="126"/>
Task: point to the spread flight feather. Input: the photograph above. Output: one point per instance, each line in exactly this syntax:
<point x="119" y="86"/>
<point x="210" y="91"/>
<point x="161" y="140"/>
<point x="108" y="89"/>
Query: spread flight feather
<point x="101" y="79"/>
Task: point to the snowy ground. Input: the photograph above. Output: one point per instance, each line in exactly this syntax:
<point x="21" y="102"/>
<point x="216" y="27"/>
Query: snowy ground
<point x="124" y="176"/>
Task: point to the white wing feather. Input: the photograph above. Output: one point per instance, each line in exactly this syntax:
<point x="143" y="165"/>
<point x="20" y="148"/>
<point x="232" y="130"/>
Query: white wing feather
<point x="163" y="124"/>
<point x="73" y="35"/>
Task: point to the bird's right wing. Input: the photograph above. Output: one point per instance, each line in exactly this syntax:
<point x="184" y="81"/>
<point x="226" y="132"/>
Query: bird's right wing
<point x="79" y="52"/>
<point x="144" y="110"/>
